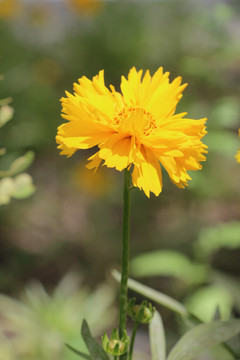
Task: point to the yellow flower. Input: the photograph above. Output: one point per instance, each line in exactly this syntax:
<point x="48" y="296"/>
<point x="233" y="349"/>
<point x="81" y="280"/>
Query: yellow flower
<point x="135" y="128"/>
<point x="9" y="8"/>
<point x="85" y="6"/>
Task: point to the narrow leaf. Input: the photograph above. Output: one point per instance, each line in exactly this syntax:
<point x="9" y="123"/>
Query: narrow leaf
<point x="203" y="337"/>
<point x="19" y="165"/>
<point x="157" y="337"/>
<point x="154" y="295"/>
<point x="169" y="263"/>
<point x="80" y="353"/>
<point x="94" y="348"/>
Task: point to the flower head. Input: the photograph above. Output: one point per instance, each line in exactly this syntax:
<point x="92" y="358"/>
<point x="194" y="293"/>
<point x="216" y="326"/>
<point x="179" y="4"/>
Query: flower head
<point x="142" y="313"/>
<point x="115" y="346"/>
<point x="137" y="127"/>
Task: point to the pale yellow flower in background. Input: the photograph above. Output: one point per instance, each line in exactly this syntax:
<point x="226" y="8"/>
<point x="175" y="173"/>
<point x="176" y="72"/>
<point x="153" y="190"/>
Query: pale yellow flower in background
<point x="136" y="128"/>
<point x="237" y="156"/>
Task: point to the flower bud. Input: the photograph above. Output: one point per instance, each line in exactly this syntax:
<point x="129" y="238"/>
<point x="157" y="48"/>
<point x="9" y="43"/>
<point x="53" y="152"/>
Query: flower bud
<point x="142" y="313"/>
<point x="115" y="346"/>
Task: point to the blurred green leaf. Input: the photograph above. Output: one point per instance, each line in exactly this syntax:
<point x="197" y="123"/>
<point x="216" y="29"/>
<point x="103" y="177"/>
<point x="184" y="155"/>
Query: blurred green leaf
<point x="23" y="186"/>
<point x="94" y="348"/>
<point x="19" y="187"/>
<point x="204" y="301"/>
<point x="19" y="165"/>
<point x="223" y="142"/>
<point x="2" y="151"/>
<point x="225" y="113"/>
<point x="80" y="353"/>
<point x="202" y="337"/>
<point x="7" y="187"/>
<point x="41" y="324"/>
<point x="219" y="236"/>
<point x="6" y="114"/>
<point x="169" y="263"/>
<point x="154" y="295"/>
<point x="157" y="338"/>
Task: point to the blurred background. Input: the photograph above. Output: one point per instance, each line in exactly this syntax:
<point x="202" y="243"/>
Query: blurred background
<point x="60" y="224"/>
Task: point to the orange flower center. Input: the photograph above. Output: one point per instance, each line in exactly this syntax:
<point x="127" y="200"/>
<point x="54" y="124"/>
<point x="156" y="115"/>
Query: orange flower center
<point x="137" y="120"/>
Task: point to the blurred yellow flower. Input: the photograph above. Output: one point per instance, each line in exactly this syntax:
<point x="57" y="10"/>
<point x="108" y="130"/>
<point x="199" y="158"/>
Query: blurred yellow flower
<point x="9" y="8"/>
<point x="135" y="128"/>
<point x="85" y="6"/>
<point x="96" y="184"/>
<point x="237" y="156"/>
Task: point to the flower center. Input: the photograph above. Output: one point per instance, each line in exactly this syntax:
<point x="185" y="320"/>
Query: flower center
<point x="136" y="120"/>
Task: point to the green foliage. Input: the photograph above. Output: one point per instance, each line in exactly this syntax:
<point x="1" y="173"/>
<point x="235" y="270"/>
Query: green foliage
<point x="19" y="165"/>
<point x="41" y="324"/>
<point x="203" y="337"/>
<point x="219" y="236"/>
<point x="95" y="350"/>
<point x="21" y="186"/>
<point x="6" y="114"/>
<point x="157" y="338"/>
<point x="204" y="301"/>
<point x="154" y="295"/>
<point x="169" y="263"/>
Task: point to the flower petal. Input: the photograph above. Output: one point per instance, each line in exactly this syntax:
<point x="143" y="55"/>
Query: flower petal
<point x="82" y="134"/>
<point x="147" y="173"/>
<point x="118" y="151"/>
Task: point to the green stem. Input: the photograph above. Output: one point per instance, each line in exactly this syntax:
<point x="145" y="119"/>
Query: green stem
<point x="125" y="254"/>
<point x="133" y="340"/>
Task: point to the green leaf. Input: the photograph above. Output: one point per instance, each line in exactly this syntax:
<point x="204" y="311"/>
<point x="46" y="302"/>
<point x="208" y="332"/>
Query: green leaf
<point x="203" y="337"/>
<point x="19" y="165"/>
<point x="94" y="348"/>
<point x="204" y="301"/>
<point x="214" y="238"/>
<point x="157" y="337"/>
<point x="154" y="295"/>
<point x="222" y="142"/>
<point x="6" y="114"/>
<point x="80" y="353"/>
<point x="7" y="187"/>
<point x="169" y="263"/>
<point x="23" y="186"/>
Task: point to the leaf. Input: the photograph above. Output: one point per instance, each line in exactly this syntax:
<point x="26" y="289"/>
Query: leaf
<point x="7" y="187"/>
<point x="94" y="348"/>
<point x="204" y="301"/>
<point x="214" y="238"/>
<point x="169" y="263"/>
<point x="203" y="337"/>
<point x="23" y="186"/>
<point x="154" y="295"/>
<point x="80" y="353"/>
<point x="229" y="142"/>
<point x="157" y="337"/>
<point x="19" y="164"/>
<point x="6" y="114"/>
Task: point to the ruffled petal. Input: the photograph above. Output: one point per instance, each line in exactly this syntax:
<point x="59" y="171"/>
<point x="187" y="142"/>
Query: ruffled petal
<point x="118" y="151"/>
<point x="82" y="134"/>
<point x="147" y="173"/>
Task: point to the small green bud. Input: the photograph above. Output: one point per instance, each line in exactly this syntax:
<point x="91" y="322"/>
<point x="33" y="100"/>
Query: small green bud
<point x="115" y="346"/>
<point x="142" y="313"/>
<point x="113" y="343"/>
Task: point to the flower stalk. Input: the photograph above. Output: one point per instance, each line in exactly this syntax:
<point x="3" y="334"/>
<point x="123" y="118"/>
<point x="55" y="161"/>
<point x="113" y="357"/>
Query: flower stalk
<point x="134" y="332"/>
<point x="125" y="253"/>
